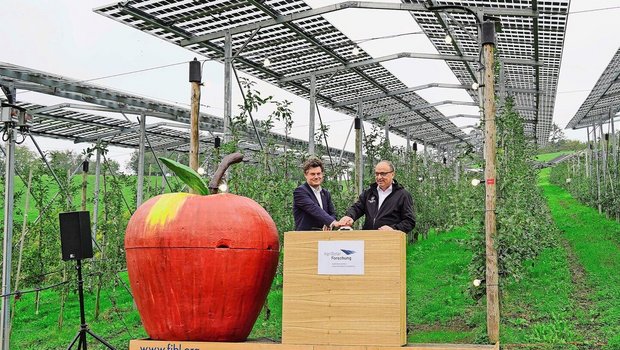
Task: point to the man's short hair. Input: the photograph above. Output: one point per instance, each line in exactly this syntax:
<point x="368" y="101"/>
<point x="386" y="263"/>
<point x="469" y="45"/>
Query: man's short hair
<point x="313" y="162"/>
<point x="389" y="163"/>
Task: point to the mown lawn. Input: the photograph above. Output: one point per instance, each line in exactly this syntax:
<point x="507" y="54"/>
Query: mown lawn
<point x="595" y="243"/>
<point x="551" y="156"/>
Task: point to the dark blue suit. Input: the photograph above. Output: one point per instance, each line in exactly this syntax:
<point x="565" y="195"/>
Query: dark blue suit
<point x="307" y="212"/>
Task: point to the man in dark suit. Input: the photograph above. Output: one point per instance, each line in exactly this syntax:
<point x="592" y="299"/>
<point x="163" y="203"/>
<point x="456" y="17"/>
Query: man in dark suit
<point x="313" y="208"/>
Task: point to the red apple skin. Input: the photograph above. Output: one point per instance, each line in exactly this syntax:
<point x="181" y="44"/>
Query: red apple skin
<point x="200" y="267"/>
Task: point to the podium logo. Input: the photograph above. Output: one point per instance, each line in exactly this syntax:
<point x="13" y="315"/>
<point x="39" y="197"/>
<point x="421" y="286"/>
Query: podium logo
<point x="347" y="251"/>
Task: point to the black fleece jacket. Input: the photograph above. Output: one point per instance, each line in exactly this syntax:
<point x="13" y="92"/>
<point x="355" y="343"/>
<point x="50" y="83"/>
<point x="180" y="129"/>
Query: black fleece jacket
<point x="397" y="210"/>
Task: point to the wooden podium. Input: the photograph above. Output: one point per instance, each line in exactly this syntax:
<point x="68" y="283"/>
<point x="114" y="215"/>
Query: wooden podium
<point x="329" y="299"/>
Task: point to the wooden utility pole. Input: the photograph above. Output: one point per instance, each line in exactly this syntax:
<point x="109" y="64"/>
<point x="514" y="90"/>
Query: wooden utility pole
<point x="490" y="141"/>
<point x="195" y="78"/>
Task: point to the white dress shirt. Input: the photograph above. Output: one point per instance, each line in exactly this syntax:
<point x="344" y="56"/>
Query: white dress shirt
<point x="383" y="194"/>
<point x="317" y="194"/>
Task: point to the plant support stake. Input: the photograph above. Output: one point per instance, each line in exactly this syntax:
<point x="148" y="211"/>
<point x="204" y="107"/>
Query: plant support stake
<point x="195" y="78"/>
<point x="490" y="137"/>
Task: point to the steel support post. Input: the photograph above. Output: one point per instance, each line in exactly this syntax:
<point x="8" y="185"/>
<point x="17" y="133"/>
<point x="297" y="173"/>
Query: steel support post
<point x="408" y="141"/>
<point x="96" y="190"/>
<point x="614" y="145"/>
<point x="141" y="146"/>
<point x="588" y="155"/>
<point x="359" y="170"/>
<point x="598" y="171"/>
<point x="7" y="247"/>
<point x="603" y="148"/>
<point x="387" y="130"/>
<point x="311" y="117"/>
<point x="490" y="140"/>
<point x="227" y="85"/>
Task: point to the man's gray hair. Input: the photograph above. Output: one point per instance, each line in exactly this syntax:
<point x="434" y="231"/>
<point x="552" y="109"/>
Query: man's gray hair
<point x="389" y="164"/>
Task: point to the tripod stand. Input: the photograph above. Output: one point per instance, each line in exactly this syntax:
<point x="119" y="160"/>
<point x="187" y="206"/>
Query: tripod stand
<point x="80" y="337"/>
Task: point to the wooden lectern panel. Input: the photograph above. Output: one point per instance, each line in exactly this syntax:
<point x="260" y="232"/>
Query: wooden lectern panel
<point x="366" y="309"/>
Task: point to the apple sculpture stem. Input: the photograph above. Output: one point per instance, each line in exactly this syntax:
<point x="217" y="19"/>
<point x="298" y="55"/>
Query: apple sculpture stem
<point x="200" y="266"/>
<point x="219" y="173"/>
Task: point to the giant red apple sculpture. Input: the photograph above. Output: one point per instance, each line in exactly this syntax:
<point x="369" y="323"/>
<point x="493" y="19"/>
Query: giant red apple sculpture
<point x="200" y="267"/>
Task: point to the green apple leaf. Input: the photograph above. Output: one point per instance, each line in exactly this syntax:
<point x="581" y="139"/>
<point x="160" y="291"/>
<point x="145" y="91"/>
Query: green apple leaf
<point x="187" y="175"/>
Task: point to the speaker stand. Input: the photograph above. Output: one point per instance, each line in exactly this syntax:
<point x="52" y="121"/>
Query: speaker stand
<point x="80" y="337"/>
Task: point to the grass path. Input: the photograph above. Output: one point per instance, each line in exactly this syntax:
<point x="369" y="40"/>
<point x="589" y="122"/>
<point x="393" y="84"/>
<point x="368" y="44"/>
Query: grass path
<point x="594" y="255"/>
<point x="439" y="306"/>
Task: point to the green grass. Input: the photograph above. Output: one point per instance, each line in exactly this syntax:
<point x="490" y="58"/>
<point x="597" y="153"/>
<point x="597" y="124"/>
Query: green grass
<point x="595" y="241"/>
<point x="569" y="295"/>
<point x="438" y="304"/>
<point x="538" y="309"/>
<point x="551" y="156"/>
<point x="128" y="193"/>
<point x="116" y="324"/>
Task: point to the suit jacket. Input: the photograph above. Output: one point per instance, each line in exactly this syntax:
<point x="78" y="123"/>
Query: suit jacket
<point x="307" y="212"/>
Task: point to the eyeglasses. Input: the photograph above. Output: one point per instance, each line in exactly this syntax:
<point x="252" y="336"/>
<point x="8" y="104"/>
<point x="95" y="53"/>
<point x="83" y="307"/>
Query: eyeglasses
<point x="383" y="174"/>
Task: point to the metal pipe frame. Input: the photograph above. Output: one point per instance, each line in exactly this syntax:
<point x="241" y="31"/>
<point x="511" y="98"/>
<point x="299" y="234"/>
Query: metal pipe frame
<point x="282" y="19"/>
<point x="7" y="246"/>
<point x="140" y="185"/>
<point x="430" y="56"/>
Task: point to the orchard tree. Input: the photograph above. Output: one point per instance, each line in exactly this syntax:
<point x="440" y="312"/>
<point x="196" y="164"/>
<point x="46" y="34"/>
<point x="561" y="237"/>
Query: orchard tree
<point x="556" y="135"/>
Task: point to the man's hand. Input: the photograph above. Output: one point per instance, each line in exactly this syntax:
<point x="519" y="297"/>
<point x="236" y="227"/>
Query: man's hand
<point x="345" y="221"/>
<point x="386" y="228"/>
<point x="334" y="225"/>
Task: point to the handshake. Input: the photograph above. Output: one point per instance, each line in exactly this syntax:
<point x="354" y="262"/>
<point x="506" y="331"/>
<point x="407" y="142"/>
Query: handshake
<point x="344" y="222"/>
<point x="347" y="221"/>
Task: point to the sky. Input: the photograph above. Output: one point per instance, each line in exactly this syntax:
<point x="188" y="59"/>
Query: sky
<point x="65" y="37"/>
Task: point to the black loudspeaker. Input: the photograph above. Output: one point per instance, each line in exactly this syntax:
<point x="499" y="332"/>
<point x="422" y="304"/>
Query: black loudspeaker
<point x="75" y="236"/>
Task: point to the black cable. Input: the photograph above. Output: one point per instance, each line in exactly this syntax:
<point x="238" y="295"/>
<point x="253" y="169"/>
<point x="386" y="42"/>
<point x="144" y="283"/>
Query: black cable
<point x="329" y="154"/>
<point x="249" y="113"/>
<point x="105" y="159"/>
<point x="146" y="137"/>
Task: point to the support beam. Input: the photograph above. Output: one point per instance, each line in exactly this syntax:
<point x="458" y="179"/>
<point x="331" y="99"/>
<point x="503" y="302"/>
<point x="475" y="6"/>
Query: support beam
<point x="359" y="171"/>
<point x="281" y="19"/>
<point x="588" y="155"/>
<point x="227" y="85"/>
<point x="400" y="92"/>
<point x="311" y="117"/>
<point x="7" y="246"/>
<point x="614" y="145"/>
<point x="60" y="86"/>
<point x="140" y="184"/>
<point x="419" y="107"/>
<point x="598" y="170"/>
<point x="96" y="189"/>
<point x="387" y="131"/>
<point x="429" y="56"/>
<point x="127" y="110"/>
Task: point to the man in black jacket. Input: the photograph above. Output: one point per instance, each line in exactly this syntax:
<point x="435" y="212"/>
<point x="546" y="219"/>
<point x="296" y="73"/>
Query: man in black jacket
<point x="386" y="204"/>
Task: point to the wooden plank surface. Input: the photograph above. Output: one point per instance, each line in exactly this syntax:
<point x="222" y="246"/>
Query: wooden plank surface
<point x="366" y="309"/>
<point x="142" y="344"/>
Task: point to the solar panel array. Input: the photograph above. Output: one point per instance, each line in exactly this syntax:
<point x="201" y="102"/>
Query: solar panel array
<point x="531" y="30"/>
<point x="68" y="121"/>
<point x="604" y="99"/>
<point x="294" y="49"/>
